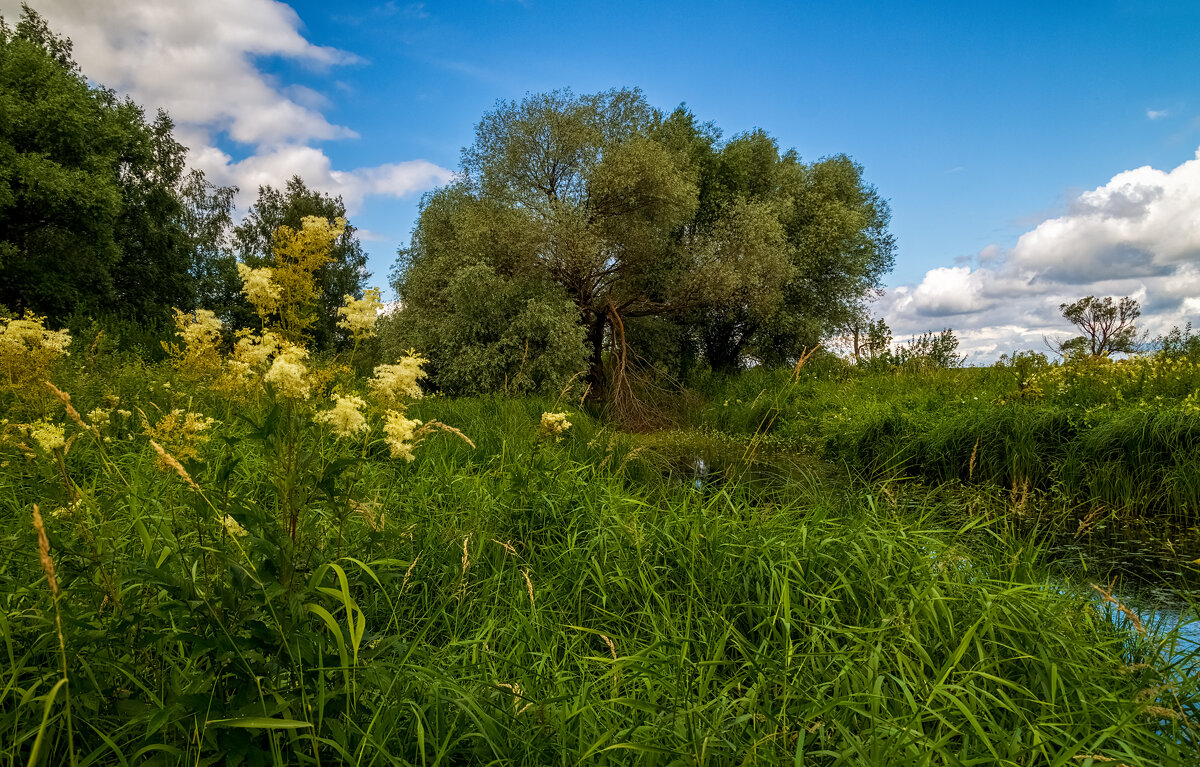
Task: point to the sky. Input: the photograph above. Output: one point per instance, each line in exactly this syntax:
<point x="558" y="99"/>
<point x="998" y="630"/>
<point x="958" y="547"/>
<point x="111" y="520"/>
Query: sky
<point x="1032" y="153"/>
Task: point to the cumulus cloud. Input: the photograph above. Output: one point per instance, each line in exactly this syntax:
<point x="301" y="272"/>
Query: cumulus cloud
<point x="1137" y="235"/>
<point x="199" y="61"/>
<point x="1158" y="114"/>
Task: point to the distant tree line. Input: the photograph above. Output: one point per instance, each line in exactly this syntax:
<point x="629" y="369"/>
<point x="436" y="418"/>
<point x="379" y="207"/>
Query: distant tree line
<point x="101" y="218"/>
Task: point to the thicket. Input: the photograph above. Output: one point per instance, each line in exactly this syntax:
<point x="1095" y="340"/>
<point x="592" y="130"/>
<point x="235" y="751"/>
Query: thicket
<point x="1097" y="435"/>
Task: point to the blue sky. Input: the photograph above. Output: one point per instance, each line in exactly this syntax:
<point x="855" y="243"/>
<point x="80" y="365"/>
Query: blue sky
<point x="1011" y="130"/>
<point x="974" y="121"/>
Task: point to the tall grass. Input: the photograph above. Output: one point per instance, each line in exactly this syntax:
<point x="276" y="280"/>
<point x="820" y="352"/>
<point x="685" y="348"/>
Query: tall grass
<point x="528" y="601"/>
<point x="1091" y="443"/>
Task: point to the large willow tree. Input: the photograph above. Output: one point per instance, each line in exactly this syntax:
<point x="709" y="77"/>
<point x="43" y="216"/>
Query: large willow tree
<point x="605" y="210"/>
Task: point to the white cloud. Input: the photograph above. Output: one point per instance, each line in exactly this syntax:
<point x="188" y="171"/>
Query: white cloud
<point x="197" y="60"/>
<point x="1158" y="114"/>
<point x="1137" y="235"/>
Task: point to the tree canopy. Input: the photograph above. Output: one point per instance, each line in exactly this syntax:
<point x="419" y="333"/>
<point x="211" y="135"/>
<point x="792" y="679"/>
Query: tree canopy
<point x="626" y="212"/>
<point x="1107" y="326"/>
<point x="94" y="197"/>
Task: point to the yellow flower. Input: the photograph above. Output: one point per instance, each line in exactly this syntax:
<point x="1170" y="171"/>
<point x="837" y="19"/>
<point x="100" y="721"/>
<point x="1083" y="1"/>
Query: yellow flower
<point x="288" y="373"/>
<point x="358" y="315"/>
<point x="346" y="418"/>
<point x="232" y="527"/>
<point x="258" y="285"/>
<point x="391" y="383"/>
<point x="400" y="434"/>
<point x="49" y="436"/>
<point x="555" y="424"/>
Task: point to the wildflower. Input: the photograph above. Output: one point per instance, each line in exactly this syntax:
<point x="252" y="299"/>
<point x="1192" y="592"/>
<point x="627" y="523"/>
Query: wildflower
<point x="555" y="425"/>
<point x="259" y="287"/>
<point x="287" y="373"/>
<point x="233" y="528"/>
<point x="400" y="434"/>
<point x="28" y="349"/>
<point x="99" y="417"/>
<point x="183" y="433"/>
<point x="49" y="436"/>
<point x="394" y="382"/>
<point x="358" y="315"/>
<point x="124" y="413"/>
<point x="346" y="418"/>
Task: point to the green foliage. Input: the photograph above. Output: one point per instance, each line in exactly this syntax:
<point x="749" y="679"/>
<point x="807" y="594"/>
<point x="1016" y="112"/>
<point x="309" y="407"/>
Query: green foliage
<point x="92" y="195"/>
<point x="1091" y="433"/>
<point x="1108" y="327"/>
<point x="529" y="600"/>
<point x="930" y="350"/>
<point x="255" y="243"/>
<point x="635" y="214"/>
<point x="488" y="333"/>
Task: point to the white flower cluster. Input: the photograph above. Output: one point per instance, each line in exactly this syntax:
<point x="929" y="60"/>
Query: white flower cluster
<point x="358" y="315"/>
<point x="29" y="334"/>
<point x="346" y="418"/>
<point x="259" y="287"/>
<point x="400" y="434"/>
<point x="395" y="382"/>
<point x="555" y="425"/>
<point x="288" y="373"/>
<point x="199" y="331"/>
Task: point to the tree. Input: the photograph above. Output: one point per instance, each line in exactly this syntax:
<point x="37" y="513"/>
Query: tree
<point x="937" y="350"/>
<point x="344" y="274"/>
<point x="1107" y="326"/>
<point x="91" y="202"/>
<point x="588" y="193"/>
<point x="870" y="341"/>
<point x="832" y="232"/>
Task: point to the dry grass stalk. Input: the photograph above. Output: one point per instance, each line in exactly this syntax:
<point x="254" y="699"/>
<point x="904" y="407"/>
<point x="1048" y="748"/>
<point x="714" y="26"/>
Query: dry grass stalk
<point x="370" y="514"/>
<point x="805" y="354"/>
<point x="466" y="563"/>
<point x="170" y="461"/>
<point x="507" y="546"/>
<point x="44" y="551"/>
<point x="528" y="584"/>
<point x="971" y="464"/>
<point x="612" y="648"/>
<point x="433" y="426"/>
<point x="1133" y="617"/>
<point x="1094" y="757"/>
<point x="408" y="572"/>
<point x="48" y="567"/>
<point x="518" y="696"/>
<point x="71" y="411"/>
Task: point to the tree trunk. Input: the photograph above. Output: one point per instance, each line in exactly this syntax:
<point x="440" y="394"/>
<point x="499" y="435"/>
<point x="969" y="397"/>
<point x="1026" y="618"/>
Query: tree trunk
<point x="596" y="379"/>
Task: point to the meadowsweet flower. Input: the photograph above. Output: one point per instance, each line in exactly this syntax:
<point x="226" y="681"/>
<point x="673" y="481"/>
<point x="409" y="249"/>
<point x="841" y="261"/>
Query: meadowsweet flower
<point x="124" y="413"/>
<point x="288" y="373"/>
<point x="358" y="315"/>
<point x="346" y="418"/>
<point x="99" y="417"/>
<point x="392" y="383"/>
<point x="49" y="436"/>
<point x="555" y="425"/>
<point x="28" y="349"/>
<point x="400" y="433"/>
<point x="182" y="433"/>
<point x="232" y="527"/>
<point x="260" y="289"/>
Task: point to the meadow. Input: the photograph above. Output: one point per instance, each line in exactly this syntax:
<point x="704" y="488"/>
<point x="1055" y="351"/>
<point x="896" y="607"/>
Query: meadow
<point x="239" y="557"/>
